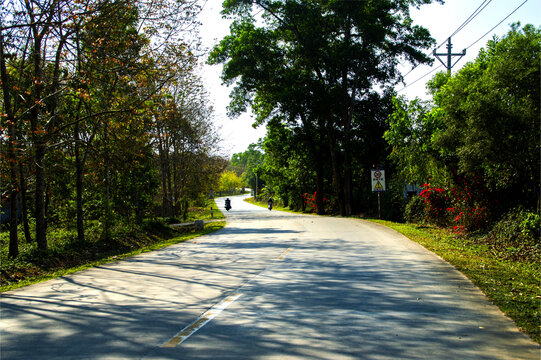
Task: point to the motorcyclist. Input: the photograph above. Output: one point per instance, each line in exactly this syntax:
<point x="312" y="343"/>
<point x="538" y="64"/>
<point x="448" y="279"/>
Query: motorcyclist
<point x="227" y="204"/>
<point x="270" y="202"/>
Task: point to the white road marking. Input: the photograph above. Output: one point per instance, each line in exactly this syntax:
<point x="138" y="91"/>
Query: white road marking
<point x="210" y="314"/>
<point x="200" y="322"/>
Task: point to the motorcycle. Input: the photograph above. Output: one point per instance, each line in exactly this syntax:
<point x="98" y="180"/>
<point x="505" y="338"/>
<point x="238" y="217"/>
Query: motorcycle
<point x="270" y="206"/>
<point x="228" y="204"/>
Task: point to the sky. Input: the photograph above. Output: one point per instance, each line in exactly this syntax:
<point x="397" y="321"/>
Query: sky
<point x="441" y="20"/>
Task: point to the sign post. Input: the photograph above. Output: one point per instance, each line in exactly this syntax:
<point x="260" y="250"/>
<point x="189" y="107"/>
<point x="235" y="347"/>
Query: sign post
<point x="378" y="185"/>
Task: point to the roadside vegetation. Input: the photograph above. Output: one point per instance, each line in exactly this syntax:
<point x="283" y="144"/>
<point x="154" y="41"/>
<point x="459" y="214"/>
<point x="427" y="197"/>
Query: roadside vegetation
<point x="510" y="281"/>
<point x="104" y="120"/>
<point x="461" y="168"/>
<point x="66" y="254"/>
<point x="108" y="134"/>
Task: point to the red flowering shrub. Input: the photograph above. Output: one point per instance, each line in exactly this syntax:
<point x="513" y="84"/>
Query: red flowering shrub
<point x="464" y="206"/>
<point x="469" y="210"/>
<point x="310" y="201"/>
<point x="436" y="201"/>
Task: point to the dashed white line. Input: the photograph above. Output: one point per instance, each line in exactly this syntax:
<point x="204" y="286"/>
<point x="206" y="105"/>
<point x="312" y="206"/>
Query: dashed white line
<point x="210" y="314"/>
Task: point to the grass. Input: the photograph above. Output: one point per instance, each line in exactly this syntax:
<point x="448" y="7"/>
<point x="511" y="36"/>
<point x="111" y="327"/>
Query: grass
<point x="514" y="286"/>
<point x="66" y="255"/>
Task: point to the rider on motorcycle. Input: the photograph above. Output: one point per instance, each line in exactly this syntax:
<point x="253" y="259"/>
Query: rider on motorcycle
<point x="227" y="204"/>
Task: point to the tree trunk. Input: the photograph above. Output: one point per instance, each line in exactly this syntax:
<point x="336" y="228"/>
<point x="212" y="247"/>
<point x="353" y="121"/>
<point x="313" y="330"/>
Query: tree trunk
<point x="79" y="186"/>
<point x="347" y="183"/>
<point x="41" y="237"/>
<point x="37" y="138"/>
<point x="316" y="151"/>
<point x="346" y="119"/>
<point x="13" y="236"/>
<point x="337" y="176"/>
<point x="320" y="204"/>
<point x="107" y="219"/>
<point x="24" y="208"/>
<point x="169" y="189"/>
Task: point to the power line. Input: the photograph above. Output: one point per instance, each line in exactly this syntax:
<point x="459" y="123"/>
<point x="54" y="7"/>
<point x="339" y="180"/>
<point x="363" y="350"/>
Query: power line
<point x="422" y="77"/>
<point x="480" y="8"/>
<point x="476" y="41"/>
<point x="477" y="11"/>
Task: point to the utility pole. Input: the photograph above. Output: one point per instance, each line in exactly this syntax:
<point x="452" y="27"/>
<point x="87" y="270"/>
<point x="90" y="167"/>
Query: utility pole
<point x="449" y="55"/>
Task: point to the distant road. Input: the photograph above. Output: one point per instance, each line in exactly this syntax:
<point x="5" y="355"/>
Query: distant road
<point x="270" y="285"/>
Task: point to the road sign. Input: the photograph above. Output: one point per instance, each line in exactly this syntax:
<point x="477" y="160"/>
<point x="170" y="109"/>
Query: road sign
<point x="378" y="180"/>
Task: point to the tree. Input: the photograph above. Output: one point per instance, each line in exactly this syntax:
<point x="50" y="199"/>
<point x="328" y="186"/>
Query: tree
<point x="289" y="169"/>
<point x="491" y="113"/>
<point x="11" y="121"/>
<point x="412" y="128"/>
<point x="247" y="164"/>
<point x="317" y="62"/>
<point x="476" y="144"/>
<point x="229" y="181"/>
<point x="79" y="86"/>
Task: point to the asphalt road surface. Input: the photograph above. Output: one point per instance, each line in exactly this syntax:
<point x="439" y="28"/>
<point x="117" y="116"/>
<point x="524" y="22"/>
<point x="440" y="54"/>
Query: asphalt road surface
<point x="270" y="285"/>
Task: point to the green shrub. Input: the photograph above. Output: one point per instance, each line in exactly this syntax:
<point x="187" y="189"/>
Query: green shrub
<point x="517" y="235"/>
<point x="415" y="210"/>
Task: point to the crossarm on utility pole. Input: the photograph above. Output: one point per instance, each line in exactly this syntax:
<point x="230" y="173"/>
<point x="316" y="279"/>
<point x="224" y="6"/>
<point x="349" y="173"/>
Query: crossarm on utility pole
<point x="449" y="55"/>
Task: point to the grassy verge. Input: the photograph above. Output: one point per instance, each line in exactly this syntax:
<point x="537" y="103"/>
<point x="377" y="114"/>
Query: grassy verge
<point x="65" y="255"/>
<point x="514" y="286"/>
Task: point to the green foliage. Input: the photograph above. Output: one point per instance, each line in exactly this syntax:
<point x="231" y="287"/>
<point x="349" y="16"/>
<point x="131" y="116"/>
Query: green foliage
<point x="107" y="114"/>
<point x="66" y="253"/>
<point x="511" y="283"/>
<point x="491" y="112"/>
<point x="477" y="143"/>
<point x="436" y="205"/>
<point x="229" y="181"/>
<point x="312" y="68"/>
<point x="285" y="168"/>
<point x="517" y="235"/>
<point x="415" y="210"/>
<point x="412" y="129"/>
<point x="246" y="165"/>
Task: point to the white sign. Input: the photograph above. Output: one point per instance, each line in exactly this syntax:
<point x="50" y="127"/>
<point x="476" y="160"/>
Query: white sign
<point x="378" y="180"/>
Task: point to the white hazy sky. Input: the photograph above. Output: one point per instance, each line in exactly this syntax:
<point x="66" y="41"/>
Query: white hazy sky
<point x="440" y="20"/>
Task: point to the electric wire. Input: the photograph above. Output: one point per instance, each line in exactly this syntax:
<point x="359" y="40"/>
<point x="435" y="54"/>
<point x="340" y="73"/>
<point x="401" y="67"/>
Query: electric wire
<point x="477" y="11"/>
<point x="485" y="34"/>
<point x="480" y="8"/>
<point x="469" y="46"/>
<point x="422" y="77"/>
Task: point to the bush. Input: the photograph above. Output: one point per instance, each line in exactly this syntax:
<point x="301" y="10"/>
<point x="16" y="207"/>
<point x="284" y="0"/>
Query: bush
<point x="415" y="210"/>
<point x="517" y="235"/>
<point x="436" y="205"/>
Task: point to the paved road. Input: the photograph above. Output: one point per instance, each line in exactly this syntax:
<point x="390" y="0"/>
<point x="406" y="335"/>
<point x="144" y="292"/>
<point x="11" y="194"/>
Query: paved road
<point x="270" y="285"/>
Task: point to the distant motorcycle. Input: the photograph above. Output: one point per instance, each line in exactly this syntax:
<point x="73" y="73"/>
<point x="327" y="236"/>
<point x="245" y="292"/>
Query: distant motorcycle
<point x="270" y="202"/>
<point x="270" y="206"/>
<point x="227" y="204"/>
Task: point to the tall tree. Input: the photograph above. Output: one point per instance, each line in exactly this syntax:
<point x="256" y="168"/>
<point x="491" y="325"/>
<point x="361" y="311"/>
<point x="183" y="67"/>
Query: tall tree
<point x="332" y="55"/>
<point x="479" y="136"/>
<point x="491" y="110"/>
<point x="11" y="121"/>
<point x="78" y="80"/>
